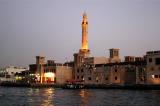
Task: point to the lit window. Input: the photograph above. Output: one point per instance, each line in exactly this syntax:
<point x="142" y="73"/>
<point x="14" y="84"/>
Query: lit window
<point x="49" y="74"/>
<point x="155" y="76"/>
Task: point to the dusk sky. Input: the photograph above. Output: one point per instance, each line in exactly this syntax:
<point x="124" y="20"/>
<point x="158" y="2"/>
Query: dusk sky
<point x="52" y="28"/>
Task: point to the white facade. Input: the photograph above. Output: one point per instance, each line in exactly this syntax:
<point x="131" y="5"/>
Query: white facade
<point x="10" y="73"/>
<point x="13" y="70"/>
<point x="153" y="67"/>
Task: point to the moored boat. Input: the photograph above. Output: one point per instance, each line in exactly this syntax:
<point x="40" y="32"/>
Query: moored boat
<point x="73" y="85"/>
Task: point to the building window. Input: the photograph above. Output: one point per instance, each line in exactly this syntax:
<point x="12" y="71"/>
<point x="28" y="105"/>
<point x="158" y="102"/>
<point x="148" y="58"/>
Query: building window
<point x="115" y="70"/>
<point x="157" y="61"/>
<point x="54" y="70"/>
<point x="81" y="77"/>
<point x="78" y="71"/>
<point x="82" y="70"/>
<point x="106" y="78"/>
<point x="152" y="68"/>
<point x="77" y="77"/>
<point x="155" y="76"/>
<point x="141" y="79"/>
<point x="150" y="60"/>
<point x="89" y="78"/>
<point x="115" y="78"/>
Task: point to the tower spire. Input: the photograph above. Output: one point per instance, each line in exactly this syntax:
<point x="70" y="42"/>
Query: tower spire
<point x="84" y="48"/>
<point x="84" y="14"/>
<point x="84" y="32"/>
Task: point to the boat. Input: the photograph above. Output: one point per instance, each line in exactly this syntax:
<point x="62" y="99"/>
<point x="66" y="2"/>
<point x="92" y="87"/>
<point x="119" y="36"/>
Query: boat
<point x="72" y="84"/>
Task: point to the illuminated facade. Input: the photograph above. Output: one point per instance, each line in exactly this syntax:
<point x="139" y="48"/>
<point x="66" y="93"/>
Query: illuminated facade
<point x="49" y="72"/>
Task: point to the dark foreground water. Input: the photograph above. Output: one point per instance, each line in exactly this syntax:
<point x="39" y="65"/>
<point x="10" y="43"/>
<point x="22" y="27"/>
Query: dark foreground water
<point x="88" y="97"/>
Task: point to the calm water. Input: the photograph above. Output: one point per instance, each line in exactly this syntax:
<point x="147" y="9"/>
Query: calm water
<point x="88" y="97"/>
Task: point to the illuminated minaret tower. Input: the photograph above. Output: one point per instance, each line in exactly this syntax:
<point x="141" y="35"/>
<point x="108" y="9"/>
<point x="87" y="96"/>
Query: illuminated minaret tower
<point x="84" y="49"/>
<point x="84" y="32"/>
<point x="79" y="58"/>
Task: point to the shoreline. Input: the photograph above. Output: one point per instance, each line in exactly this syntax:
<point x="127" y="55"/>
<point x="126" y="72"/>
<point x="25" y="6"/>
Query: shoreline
<point x="87" y="86"/>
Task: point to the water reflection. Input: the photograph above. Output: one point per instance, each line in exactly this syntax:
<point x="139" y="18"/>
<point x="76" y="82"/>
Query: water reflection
<point x="41" y="97"/>
<point x="48" y="97"/>
<point x="85" y="96"/>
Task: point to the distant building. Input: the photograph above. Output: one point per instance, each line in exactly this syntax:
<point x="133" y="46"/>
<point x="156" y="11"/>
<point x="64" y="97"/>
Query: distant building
<point x="49" y="72"/>
<point x="96" y="70"/>
<point x="153" y="67"/>
<point x="114" y="72"/>
<point x="9" y="73"/>
<point x="83" y="52"/>
<point x="96" y="60"/>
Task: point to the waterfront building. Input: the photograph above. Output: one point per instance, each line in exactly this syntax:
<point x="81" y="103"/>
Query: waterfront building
<point x="153" y="67"/>
<point x="129" y="72"/>
<point x="9" y="73"/>
<point x="109" y="70"/>
<point x="98" y="70"/>
<point x="49" y="72"/>
<point x="83" y="52"/>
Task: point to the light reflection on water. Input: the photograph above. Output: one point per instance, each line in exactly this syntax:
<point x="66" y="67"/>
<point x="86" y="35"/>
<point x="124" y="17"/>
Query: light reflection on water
<point x="43" y="97"/>
<point x="83" y="97"/>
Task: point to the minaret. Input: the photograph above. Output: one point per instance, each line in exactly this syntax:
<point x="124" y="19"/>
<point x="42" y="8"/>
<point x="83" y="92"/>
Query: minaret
<point x="84" y="32"/>
<point x="84" y="49"/>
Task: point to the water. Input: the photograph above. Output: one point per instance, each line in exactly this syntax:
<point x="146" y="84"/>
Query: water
<point x="88" y="97"/>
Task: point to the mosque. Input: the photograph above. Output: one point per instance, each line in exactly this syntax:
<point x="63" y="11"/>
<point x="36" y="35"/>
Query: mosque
<point x="99" y="70"/>
<point x="109" y="70"/>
